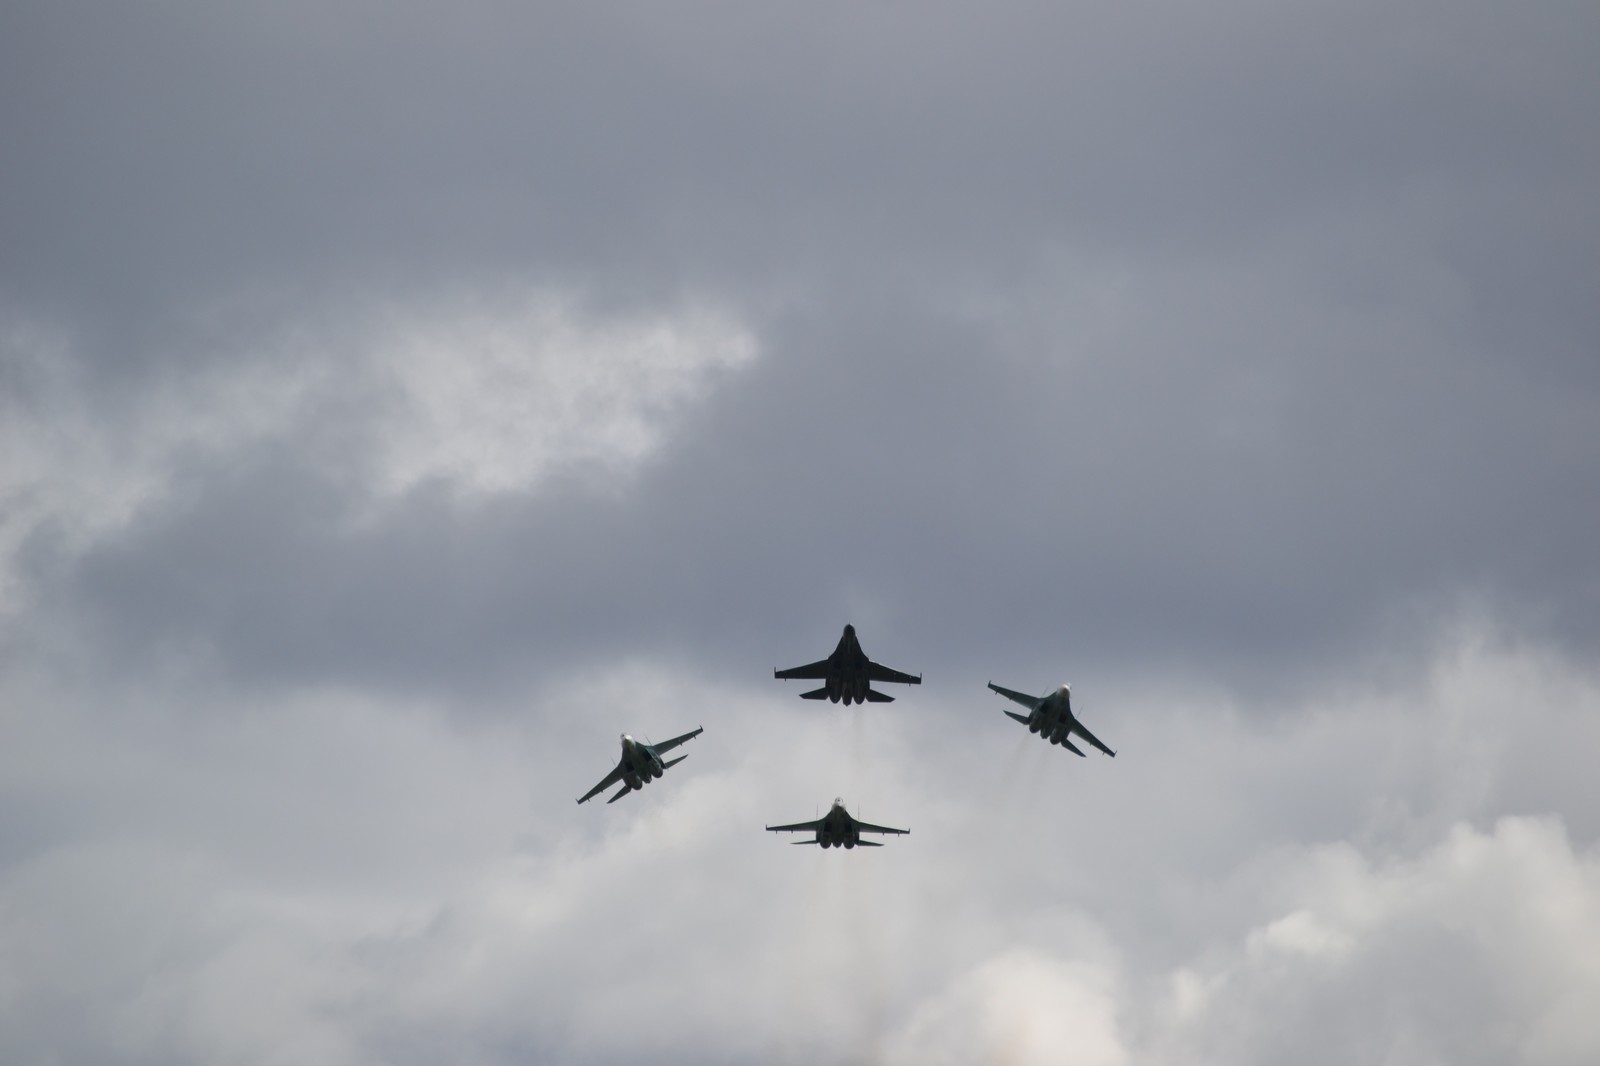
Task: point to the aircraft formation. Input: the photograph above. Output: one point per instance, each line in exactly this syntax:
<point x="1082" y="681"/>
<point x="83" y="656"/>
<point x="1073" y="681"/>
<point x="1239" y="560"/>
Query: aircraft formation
<point x="847" y="677"/>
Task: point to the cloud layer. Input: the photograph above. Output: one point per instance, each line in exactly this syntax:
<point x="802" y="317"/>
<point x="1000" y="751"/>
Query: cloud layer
<point x="396" y="406"/>
<point x="343" y="880"/>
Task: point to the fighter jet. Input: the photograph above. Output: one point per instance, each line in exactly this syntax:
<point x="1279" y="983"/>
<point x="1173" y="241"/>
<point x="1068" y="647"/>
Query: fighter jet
<point x="847" y="674"/>
<point x="1051" y="716"/>
<point x="836" y="829"/>
<point x="640" y="763"/>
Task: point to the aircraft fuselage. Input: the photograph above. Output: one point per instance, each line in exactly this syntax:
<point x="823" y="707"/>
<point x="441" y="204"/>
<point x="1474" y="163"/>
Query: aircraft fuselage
<point x="838" y="829"/>
<point x="1053" y="713"/>
<point x="847" y="679"/>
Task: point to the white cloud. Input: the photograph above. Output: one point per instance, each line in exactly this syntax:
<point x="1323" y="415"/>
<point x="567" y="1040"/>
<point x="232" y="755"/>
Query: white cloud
<point x="79" y="461"/>
<point x="327" y="877"/>
<point x="494" y="400"/>
<point x="1480" y="949"/>
<point x="486" y="399"/>
<point x="1020" y="1008"/>
<point x="1301" y="933"/>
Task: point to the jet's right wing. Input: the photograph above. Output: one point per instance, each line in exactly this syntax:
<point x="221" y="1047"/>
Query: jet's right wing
<point x="1027" y="701"/>
<point x="810" y="672"/>
<point x="605" y="782"/>
<point x="798" y="827"/>
<point x="867" y="827"/>
<point x="879" y="672"/>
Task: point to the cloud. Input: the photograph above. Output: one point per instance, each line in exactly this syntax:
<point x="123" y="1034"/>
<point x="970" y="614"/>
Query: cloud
<point x="396" y="406"/>
<point x="415" y="882"/>
<point x="482" y="398"/>
<point x="1017" y="1009"/>
<point x="79" y="465"/>
<point x="494" y="400"/>
<point x="1477" y="950"/>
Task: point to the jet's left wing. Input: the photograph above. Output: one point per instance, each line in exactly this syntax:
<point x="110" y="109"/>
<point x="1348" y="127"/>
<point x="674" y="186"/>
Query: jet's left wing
<point x="868" y="827"/>
<point x="1016" y="697"/>
<point x="810" y="672"/>
<point x="879" y="672"/>
<point x="605" y="782"/>
<point x="668" y="745"/>
<point x="798" y="827"/>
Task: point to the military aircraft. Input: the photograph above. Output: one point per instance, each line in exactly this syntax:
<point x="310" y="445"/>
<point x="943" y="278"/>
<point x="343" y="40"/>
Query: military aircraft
<point x="836" y="829"/>
<point x="640" y="763"/>
<point x="847" y="674"/>
<point x="1051" y="717"/>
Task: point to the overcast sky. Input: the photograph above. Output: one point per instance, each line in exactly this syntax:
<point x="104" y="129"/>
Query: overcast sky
<point x="400" y="401"/>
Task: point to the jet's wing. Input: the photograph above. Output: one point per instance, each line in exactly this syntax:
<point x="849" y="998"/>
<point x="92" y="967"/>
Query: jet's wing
<point x="1016" y="697"/>
<point x="606" y="782"/>
<point x="668" y="745"/>
<point x="868" y="827"/>
<point x="1077" y="727"/>
<point x="879" y="672"/>
<point x="798" y="827"/>
<point x="809" y="672"/>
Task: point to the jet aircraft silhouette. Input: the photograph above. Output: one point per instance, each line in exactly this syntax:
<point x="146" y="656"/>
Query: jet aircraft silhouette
<point x="639" y="765"/>
<point x="1051" y="717"/>
<point x="847" y="674"/>
<point x="837" y="829"/>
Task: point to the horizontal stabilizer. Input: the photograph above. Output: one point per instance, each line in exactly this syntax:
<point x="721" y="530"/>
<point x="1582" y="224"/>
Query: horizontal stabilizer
<point x="868" y="844"/>
<point x="874" y="696"/>
<point x="1070" y="746"/>
<point x="811" y="841"/>
<point x="673" y="762"/>
<point x="1019" y="717"/>
<point x="815" y="694"/>
<point x="625" y="790"/>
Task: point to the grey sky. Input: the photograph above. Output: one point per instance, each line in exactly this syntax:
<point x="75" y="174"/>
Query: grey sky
<point x="397" y="405"/>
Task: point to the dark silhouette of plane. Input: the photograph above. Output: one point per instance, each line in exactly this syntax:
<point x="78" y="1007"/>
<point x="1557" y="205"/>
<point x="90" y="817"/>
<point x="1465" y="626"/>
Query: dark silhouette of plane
<point x="847" y="674"/>
<point x="640" y="764"/>
<point x="1051" y="717"/>
<point x="837" y="829"/>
